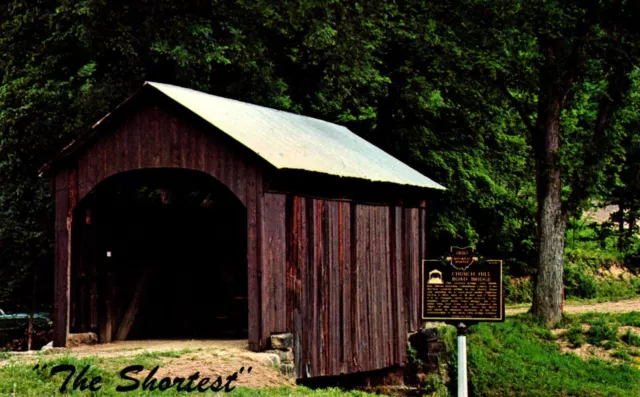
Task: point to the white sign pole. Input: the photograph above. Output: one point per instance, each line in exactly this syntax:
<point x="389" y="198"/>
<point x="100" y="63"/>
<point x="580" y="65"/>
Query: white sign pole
<point x="462" y="360"/>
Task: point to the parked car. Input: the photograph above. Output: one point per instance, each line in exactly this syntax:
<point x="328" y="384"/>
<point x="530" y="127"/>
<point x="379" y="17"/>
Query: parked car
<point x="16" y="325"/>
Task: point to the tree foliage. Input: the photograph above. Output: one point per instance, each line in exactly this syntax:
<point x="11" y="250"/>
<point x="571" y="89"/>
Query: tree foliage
<point x="452" y="88"/>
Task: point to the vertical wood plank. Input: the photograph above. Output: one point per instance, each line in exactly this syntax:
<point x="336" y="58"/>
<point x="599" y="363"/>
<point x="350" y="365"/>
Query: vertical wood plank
<point x="312" y="288"/>
<point x="175" y="138"/>
<point x="291" y="266"/>
<point x="279" y="262"/>
<point x="345" y="280"/>
<point x="302" y="325"/>
<point x="300" y="235"/>
<point x="396" y="279"/>
<point x="374" y="306"/>
<point x="356" y="348"/>
<point x="122" y="149"/>
<point x="261" y="243"/>
<point x="190" y="154"/>
<point x="253" y="261"/>
<point x="415" y="268"/>
<point x="153" y="147"/>
<point x="423" y="231"/>
<point x="61" y="270"/>
<point x="82" y="176"/>
<point x="220" y="166"/>
<point x="93" y="272"/>
<point x="365" y="286"/>
<point x="336" y="347"/>
<point x="274" y="266"/>
<point x="98" y="153"/>
<point x="240" y="185"/>
<point x="163" y="138"/>
<point x="109" y="153"/>
<point x="132" y="138"/>
<point x="390" y="340"/>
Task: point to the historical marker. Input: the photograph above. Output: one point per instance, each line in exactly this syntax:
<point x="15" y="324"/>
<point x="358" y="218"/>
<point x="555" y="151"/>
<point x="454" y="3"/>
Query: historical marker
<point x="462" y="287"/>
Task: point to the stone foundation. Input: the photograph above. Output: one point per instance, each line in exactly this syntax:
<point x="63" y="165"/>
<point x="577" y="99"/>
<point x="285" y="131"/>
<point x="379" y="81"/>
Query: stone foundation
<point x="85" y="338"/>
<point x="281" y="346"/>
<point x="426" y="371"/>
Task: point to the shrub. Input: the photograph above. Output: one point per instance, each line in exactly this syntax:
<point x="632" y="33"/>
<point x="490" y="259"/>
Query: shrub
<point x="601" y="331"/>
<point x="574" y="336"/>
<point x="434" y="385"/>
<point x="621" y="354"/>
<point x="631" y="338"/>
<point x="579" y="282"/>
<point x="519" y="290"/>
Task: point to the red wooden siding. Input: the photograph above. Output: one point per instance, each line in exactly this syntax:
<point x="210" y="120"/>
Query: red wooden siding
<point x="161" y="135"/>
<point x="61" y="241"/>
<point x="273" y="266"/>
<point x="342" y="276"/>
<point x="150" y="139"/>
<point x="349" y="303"/>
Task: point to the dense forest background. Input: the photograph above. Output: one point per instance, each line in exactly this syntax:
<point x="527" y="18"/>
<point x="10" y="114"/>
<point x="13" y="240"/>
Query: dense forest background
<point x="453" y="89"/>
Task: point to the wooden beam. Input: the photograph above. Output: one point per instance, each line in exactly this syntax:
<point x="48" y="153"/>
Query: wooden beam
<point x="134" y="306"/>
<point x="106" y="327"/>
<point x="66" y="190"/>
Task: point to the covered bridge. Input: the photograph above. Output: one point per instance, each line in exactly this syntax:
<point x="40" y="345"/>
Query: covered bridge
<point x="187" y="215"/>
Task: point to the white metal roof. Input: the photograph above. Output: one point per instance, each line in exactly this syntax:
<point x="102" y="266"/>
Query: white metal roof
<point x="291" y="141"/>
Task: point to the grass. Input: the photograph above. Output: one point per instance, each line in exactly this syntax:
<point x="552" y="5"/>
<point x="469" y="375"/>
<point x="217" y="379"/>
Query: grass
<point x="620" y="319"/>
<point x="167" y="353"/>
<point x="602" y="331"/>
<point x="516" y="358"/>
<point x="521" y="358"/>
<point x="575" y="336"/>
<point x="631" y="338"/>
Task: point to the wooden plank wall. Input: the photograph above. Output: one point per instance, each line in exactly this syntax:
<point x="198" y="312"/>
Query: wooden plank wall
<point x="351" y="282"/>
<point x="156" y="137"/>
<point x="159" y="134"/>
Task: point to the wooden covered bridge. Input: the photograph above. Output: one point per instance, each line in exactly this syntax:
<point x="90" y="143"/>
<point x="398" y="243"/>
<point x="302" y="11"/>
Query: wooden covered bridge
<point x="187" y="215"/>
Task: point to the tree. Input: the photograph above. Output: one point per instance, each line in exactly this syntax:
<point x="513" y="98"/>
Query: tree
<point x="569" y="44"/>
<point x="473" y="93"/>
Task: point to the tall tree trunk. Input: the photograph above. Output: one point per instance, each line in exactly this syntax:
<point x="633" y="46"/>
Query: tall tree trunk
<point x="547" y="294"/>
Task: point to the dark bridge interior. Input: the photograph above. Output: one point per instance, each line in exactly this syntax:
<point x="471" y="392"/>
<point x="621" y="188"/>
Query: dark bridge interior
<point x="165" y="253"/>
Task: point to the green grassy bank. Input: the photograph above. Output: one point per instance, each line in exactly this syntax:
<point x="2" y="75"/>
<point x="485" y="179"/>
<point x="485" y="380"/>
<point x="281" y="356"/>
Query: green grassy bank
<point x="514" y="358"/>
<point x="522" y="358"/>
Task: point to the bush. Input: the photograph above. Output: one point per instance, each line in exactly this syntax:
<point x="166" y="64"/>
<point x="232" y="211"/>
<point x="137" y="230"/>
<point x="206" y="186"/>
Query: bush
<point x="519" y="290"/>
<point x="601" y="331"/>
<point x="631" y="338"/>
<point x="574" y="335"/>
<point x="621" y="354"/>
<point x="579" y="283"/>
<point x="618" y="287"/>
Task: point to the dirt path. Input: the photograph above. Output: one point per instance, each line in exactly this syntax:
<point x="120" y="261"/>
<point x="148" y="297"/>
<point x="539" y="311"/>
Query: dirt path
<point x="179" y="358"/>
<point x="623" y="306"/>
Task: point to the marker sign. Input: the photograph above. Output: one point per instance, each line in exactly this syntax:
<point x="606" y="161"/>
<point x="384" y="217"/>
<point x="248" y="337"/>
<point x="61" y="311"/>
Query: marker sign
<point x="462" y="287"/>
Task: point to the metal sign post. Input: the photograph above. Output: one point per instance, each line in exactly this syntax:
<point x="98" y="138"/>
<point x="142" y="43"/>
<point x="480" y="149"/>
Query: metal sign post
<point x="462" y="360"/>
<point x="462" y="289"/>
